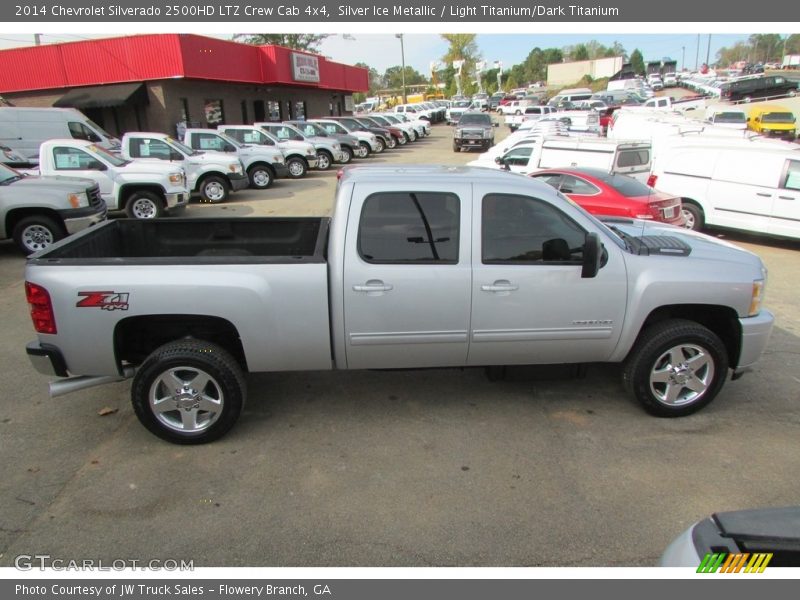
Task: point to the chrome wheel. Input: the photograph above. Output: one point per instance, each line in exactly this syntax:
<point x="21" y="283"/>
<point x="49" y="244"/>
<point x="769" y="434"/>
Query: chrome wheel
<point x="688" y="218"/>
<point x="297" y="168"/>
<point x="36" y="237"/>
<point x="186" y="399"/>
<point x="682" y="375"/>
<point x="144" y="208"/>
<point x="323" y="161"/>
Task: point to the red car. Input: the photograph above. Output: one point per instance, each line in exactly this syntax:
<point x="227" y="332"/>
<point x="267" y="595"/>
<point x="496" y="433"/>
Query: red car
<point x="614" y="195"/>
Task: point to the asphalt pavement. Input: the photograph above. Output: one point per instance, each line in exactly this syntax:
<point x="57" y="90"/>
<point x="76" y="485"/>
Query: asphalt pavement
<point x="408" y="468"/>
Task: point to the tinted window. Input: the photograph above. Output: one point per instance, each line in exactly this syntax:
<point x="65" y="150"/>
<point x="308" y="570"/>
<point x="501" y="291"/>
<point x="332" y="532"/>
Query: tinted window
<point x="627" y="186"/>
<point x="575" y="185"/>
<point x="481" y="119"/>
<point x="524" y="230"/>
<point x="633" y="158"/>
<point x="518" y="156"/>
<point x="409" y="227"/>
<point x="792" y="181"/>
<point x="79" y="131"/>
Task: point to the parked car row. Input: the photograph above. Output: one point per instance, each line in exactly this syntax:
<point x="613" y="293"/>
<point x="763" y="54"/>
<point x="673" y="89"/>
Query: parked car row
<point x="70" y="182"/>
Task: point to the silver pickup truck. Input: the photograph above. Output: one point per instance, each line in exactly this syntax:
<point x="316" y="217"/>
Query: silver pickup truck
<point x="418" y="267"/>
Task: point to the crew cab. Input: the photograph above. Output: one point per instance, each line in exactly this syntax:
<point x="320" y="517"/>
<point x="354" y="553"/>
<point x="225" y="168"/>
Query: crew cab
<point x="38" y="211"/>
<point x="262" y="165"/>
<point x="418" y="267"/>
<point x="143" y="189"/>
<point x="213" y="175"/>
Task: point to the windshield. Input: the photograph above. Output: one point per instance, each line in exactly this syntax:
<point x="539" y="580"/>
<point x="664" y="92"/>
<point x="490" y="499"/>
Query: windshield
<point x="107" y="156"/>
<point x="461" y="104"/>
<point x="99" y="129"/>
<point x="778" y="117"/>
<point x="475" y="119"/>
<point x="7" y="174"/>
<point x="730" y="117"/>
<point x="230" y="140"/>
<point x="627" y="186"/>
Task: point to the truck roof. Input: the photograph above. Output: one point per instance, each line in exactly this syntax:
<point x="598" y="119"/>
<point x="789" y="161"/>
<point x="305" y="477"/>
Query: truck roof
<point x="437" y="172"/>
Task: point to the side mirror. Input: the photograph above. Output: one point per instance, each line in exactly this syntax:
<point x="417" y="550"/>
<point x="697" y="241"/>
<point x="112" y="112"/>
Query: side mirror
<point x="229" y="148"/>
<point x="96" y="165"/>
<point x="592" y="256"/>
<point x="498" y="160"/>
<point x="497" y="124"/>
<point x="175" y="155"/>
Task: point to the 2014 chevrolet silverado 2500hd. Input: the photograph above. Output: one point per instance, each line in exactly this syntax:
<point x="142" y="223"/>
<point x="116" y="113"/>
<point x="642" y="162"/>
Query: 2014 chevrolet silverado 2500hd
<point x="418" y="267"/>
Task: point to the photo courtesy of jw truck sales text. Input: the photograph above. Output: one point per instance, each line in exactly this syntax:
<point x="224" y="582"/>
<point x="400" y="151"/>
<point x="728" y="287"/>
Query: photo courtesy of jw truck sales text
<point x="378" y="299"/>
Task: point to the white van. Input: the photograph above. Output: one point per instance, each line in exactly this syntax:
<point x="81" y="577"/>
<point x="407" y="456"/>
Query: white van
<point x="25" y="129"/>
<point x="751" y="189"/>
<point x="571" y="96"/>
<point x="628" y="158"/>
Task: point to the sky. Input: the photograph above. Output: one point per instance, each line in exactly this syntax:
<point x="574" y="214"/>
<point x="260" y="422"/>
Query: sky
<point x="382" y="51"/>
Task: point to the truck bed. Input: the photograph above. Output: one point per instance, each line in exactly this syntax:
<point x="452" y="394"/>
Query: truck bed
<point x="194" y="241"/>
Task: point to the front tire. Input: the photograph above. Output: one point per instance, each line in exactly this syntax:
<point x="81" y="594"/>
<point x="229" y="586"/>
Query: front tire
<point x="676" y="368"/>
<point x="324" y="160"/>
<point x="189" y="392"/>
<point x="381" y="146"/>
<point x="261" y="177"/>
<point x="145" y="205"/>
<point x="365" y="149"/>
<point x="214" y="189"/>
<point x="297" y="167"/>
<point x="37" y="232"/>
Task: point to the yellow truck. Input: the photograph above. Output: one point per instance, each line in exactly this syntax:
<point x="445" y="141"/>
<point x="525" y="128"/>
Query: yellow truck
<point x="772" y="120"/>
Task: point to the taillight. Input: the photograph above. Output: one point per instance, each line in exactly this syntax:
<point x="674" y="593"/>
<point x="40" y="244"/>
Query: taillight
<point x="651" y="181"/>
<point x="41" y="308"/>
<point x="339" y="173"/>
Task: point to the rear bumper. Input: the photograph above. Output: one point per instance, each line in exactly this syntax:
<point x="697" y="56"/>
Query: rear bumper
<point x="755" y="335"/>
<point x="46" y="359"/>
<point x="238" y="182"/>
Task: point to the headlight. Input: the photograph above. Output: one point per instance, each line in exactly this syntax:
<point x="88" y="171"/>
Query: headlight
<point x="79" y="199"/>
<point x="459" y="132"/>
<point x="235" y="167"/>
<point x="176" y="178"/>
<point x="756" y="297"/>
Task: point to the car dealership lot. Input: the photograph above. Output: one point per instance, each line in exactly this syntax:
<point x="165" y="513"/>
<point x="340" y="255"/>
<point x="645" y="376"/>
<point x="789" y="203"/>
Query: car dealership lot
<point x="409" y="468"/>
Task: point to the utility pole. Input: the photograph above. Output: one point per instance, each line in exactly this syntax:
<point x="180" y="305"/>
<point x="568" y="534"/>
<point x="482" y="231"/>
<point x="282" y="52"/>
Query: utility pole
<point x="37" y="39"/>
<point x="697" y="54"/>
<point x="403" y="61"/>
<point x="708" y="50"/>
<point x="683" y="58"/>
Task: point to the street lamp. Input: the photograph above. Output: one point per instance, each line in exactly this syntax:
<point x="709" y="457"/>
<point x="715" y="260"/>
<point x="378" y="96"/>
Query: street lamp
<point x="403" y="60"/>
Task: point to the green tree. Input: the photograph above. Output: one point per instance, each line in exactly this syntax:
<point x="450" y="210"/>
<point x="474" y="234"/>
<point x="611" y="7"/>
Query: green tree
<point x="309" y="42"/>
<point x="393" y="77"/>
<point x="793" y="44"/>
<point x="580" y="52"/>
<point x="511" y="82"/>
<point x="637" y="62"/>
<point x="766" y="47"/>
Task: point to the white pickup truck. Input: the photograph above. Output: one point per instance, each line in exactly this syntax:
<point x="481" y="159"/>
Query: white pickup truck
<point x="143" y="189"/>
<point x="213" y="175"/>
<point x="262" y="165"/>
<point x="419" y="267"/>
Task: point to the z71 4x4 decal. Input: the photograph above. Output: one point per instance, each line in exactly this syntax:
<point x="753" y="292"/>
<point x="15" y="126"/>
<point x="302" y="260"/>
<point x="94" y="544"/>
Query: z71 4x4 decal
<point x="104" y="300"/>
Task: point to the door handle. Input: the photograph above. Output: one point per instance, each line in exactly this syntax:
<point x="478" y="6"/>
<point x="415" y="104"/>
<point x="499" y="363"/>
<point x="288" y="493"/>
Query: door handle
<point x="373" y="285"/>
<point x="500" y="286"/>
<point x="786" y="198"/>
<point x="763" y="195"/>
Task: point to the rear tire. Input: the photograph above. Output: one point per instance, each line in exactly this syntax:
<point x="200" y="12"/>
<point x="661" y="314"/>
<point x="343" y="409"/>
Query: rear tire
<point x="189" y="392"/>
<point x="676" y="368"/>
<point x="693" y="216"/>
<point x="37" y="232"/>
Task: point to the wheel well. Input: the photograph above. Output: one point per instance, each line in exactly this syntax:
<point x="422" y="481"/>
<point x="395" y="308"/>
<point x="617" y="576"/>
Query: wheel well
<point x="136" y="337"/>
<point x="205" y="176"/>
<point x="722" y="320"/>
<point x="15" y="216"/>
<point x="300" y="156"/>
<point x="262" y="164"/>
<point x="126" y="192"/>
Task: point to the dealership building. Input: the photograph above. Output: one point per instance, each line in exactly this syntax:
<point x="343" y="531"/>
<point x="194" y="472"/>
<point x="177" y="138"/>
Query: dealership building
<point x="160" y="82"/>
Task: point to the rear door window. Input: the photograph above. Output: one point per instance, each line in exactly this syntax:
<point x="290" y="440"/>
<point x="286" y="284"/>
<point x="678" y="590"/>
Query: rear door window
<point x="792" y="179"/>
<point x="633" y="158"/>
<point x="409" y="227"/>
